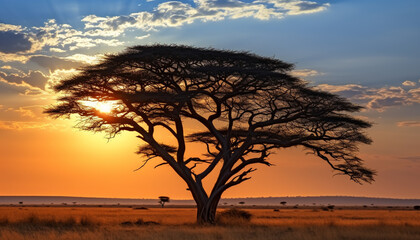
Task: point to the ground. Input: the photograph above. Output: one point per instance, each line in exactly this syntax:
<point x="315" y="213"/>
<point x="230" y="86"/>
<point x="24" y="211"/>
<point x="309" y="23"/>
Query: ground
<point x="122" y="222"/>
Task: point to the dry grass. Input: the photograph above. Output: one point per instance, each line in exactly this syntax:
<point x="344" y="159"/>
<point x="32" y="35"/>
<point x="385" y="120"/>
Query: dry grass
<point x="178" y="223"/>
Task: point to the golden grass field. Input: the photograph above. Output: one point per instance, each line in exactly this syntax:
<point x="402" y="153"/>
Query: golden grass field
<point x="179" y="223"/>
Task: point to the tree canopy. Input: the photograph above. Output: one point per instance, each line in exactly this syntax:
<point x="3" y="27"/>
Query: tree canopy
<point x="247" y="107"/>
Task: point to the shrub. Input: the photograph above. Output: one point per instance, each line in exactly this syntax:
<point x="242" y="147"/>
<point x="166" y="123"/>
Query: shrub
<point x="417" y="207"/>
<point x="140" y="208"/>
<point x="233" y="216"/>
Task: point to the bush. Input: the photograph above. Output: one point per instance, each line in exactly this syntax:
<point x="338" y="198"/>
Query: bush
<point x="417" y="207"/>
<point x="234" y="216"/>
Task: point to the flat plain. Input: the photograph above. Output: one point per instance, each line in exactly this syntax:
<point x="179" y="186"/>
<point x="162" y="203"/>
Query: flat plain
<point x="119" y="222"/>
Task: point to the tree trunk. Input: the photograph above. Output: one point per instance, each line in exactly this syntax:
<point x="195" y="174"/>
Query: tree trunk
<point x="206" y="212"/>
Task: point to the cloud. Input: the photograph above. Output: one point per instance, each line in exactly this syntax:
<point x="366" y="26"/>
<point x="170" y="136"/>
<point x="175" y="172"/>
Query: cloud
<point x="9" y="27"/>
<point x="305" y="73"/>
<point x="57" y="76"/>
<point x="348" y="90"/>
<point x="378" y="99"/>
<point x="21" y="113"/>
<point x="33" y="78"/>
<point x="176" y="13"/>
<point x="409" y="124"/>
<point x="12" y="57"/>
<point x="59" y="50"/>
<point x="14" y="42"/>
<point x="409" y="84"/>
<point x="58" y="37"/>
<point x="143" y="37"/>
<point x="296" y="7"/>
<point x="52" y="63"/>
<point x="18" y="125"/>
<point x="87" y="59"/>
<point x="11" y="88"/>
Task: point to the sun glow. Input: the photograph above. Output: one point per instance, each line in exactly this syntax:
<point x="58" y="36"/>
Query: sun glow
<point x="104" y="107"/>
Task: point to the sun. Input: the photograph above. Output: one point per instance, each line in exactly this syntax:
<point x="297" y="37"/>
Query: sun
<point x="103" y="107"/>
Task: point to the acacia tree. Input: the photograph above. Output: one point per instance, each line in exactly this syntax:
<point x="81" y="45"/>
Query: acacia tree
<point x="163" y="200"/>
<point x="245" y="106"/>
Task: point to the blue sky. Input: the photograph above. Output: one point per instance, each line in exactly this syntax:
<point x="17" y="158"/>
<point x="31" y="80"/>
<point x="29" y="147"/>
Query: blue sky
<point x="366" y="50"/>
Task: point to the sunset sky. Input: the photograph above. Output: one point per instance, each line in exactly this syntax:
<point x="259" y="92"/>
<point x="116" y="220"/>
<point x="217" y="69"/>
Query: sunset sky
<point x="367" y="51"/>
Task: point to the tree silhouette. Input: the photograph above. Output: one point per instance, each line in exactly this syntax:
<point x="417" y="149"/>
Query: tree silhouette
<point x="242" y="106"/>
<point x="163" y="200"/>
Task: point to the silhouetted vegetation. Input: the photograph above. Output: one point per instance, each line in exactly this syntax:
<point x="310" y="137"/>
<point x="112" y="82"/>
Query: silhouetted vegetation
<point x="416" y="207"/>
<point x="139" y="222"/>
<point x="140" y="208"/>
<point x="33" y="221"/>
<point x="234" y="216"/>
<point x="163" y="200"/>
<point x="244" y="108"/>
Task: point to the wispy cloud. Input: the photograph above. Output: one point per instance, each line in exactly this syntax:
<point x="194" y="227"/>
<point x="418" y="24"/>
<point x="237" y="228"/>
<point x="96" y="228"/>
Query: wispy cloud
<point x="17" y="41"/>
<point x="33" y="78"/>
<point x="409" y="124"/>
<point x="23" y="88"/>
<point x="378" y="99"/>
<point x="409" y="83"/>
<point x="305" y="73"/>
<point x="52" y="63"/>
<point x="143" y="37"/>
<point x="87" y="59"/>
<point x="176" y="13"/>
<point x="19" y="125"/>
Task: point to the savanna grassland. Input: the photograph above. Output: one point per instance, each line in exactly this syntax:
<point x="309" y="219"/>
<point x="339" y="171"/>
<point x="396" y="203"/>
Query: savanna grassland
<point x="96" y="223"/>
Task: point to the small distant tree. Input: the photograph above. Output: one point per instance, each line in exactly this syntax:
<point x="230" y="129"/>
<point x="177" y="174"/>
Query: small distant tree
<point x="283" y="203"/>
<point x="242" y="203"/>
<point x="20" y="203"/>
<point x="243" y="107"/>
<point x="163" y="200"/>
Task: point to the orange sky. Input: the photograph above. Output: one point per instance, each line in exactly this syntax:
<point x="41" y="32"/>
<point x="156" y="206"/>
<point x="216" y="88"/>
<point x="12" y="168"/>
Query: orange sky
<point x="67" y="162"/>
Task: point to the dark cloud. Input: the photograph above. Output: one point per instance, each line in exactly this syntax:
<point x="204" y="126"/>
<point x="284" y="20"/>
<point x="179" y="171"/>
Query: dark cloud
<point x="53" y="63"/>
<point x="308" y="6"/>
<point x="376" y="98"/>
<point x="34" y="78"/>
<point x="223" y="3"/>
<point x="380" y="103"/>
<point x="14" y="42"/>
<point x="115" y="23"/>
<point x="15" y="89"/>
